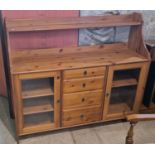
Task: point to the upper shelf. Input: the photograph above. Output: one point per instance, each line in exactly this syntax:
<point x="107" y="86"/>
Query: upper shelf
<point x="21" y="25"/>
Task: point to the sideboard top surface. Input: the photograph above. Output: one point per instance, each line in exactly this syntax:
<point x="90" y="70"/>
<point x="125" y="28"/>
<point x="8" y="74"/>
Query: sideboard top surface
<point x="73" y="57"/>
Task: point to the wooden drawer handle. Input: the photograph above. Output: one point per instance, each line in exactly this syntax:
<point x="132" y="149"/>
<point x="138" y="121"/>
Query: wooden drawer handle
<point x="82" y="116"/>
<point x="84" y="85"/>
<point x="107" y="94"/>
<point x="85" y="73"/>
<point x="83" y="99"/>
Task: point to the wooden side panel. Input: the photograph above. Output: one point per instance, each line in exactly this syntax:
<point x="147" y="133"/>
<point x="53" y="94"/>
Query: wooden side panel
<point x="141" y="86"/>
<point x="3" y="89"/>
<point x="136" y="40"/>
<point x="42" y="39"/>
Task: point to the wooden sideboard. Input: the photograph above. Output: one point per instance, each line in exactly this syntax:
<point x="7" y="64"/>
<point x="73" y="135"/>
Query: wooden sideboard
<point x="64" y="87"/>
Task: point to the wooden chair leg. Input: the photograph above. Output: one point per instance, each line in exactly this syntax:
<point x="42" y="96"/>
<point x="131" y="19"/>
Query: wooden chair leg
<point x="129" y="137"/>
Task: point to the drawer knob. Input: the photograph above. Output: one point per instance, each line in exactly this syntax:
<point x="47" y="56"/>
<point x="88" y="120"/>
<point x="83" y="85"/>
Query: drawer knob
<point x="58" y="101"/>
<point x="83" y="99"/>
<point x="58" y="77"/>
<point x="81" y="116"/>
<point x="84" y="85"/>
<point x="107" y="95"/>
<point x="85" y="72"/>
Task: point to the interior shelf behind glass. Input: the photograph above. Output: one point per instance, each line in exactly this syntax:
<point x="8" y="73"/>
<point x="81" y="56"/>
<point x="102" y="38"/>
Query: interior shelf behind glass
<point x="125" y="77"/>
<point x="122" y="99"/>
<point x="37" y="87"/>
<point x="38" y="105"/>
<point x="39" y="119"/>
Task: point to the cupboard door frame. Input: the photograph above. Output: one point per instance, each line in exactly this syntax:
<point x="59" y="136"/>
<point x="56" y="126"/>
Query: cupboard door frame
<point x="17" y="79"/>
<point x="139" y="91"/>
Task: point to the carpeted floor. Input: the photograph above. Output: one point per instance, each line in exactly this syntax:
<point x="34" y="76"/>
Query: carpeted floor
<point x="106" y="133"/>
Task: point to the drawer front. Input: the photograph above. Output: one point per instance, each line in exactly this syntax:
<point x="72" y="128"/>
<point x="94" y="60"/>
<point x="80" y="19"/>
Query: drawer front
<point x="82" y="99"/>
<point x="83" y="84"/>
<point x="86" y="72"/>
<point x="81" y="116"/>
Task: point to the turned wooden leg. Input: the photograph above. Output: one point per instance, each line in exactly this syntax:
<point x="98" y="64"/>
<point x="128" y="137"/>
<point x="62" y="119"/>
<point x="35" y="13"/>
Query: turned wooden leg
<point x="129" y="137"/>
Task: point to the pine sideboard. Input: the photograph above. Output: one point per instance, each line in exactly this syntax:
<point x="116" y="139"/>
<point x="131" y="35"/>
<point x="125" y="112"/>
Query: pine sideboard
<point x="56" y="88"/>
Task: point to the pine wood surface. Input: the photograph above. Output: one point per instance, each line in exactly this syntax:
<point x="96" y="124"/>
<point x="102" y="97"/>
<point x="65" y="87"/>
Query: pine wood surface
<point x="126" y="82"/>
<point x="81" y="116"/>
<point x="40" y="106"/>
<point x="71" y="58"/>
<point x="19" y="25"/>
<point x="82" y="99"/>
<point x="83" y="76"/>
<point x="84" y="72"/>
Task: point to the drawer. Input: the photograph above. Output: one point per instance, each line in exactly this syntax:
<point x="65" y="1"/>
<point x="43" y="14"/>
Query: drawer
<point x="86" y="72"/>
<point x="81" y="116"/>
<point x="82" y="99"/>
<point x="83" y="84"/>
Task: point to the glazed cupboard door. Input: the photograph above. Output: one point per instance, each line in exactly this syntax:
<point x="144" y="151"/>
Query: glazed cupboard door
<point x="124" y="90"/>
<point x="37" y="102"/>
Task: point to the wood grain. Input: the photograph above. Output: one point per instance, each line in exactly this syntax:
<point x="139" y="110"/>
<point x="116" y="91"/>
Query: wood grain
<point x="81" y="116"/>
<point x="82" y="99"/>
<point x="39" y="105"/>
<point x="77" y="85"/>
<point x="82" y="77"/>
<point x="19" y="25"/>
<point x="71" y="58"/>
<point x="84" y="72"/>
<point x="125" y="82"/>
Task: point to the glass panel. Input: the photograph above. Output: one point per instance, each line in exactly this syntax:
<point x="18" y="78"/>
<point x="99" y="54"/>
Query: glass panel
<point x="38" y="101"/>
<point x="37" y="87"/>
<point x="38" y="105"/>
<point x="122" y="99"/>
<point x="126" y="74"/>
<point x="38" y="119"/>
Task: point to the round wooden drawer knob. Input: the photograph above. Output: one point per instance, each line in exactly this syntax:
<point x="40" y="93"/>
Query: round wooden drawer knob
<point x="84" y="85"/>
<point x="85" y="73"/>
<point x="82" y="116"/>
<point x="83" y="99"/>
